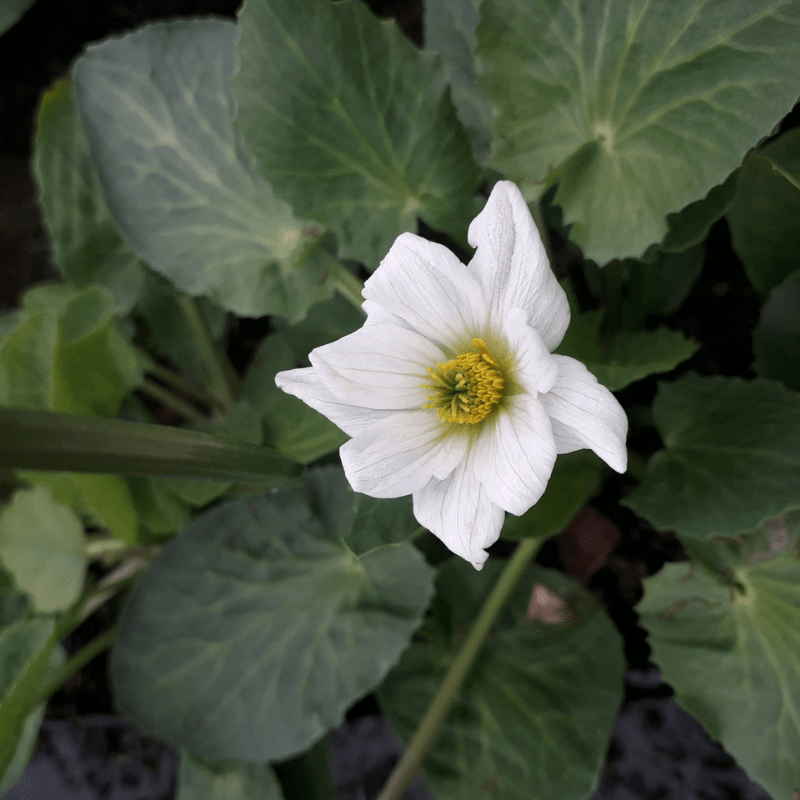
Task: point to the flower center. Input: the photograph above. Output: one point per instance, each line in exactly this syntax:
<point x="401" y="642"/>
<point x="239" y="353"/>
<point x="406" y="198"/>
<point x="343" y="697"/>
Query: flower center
<point x="468" y="388"/>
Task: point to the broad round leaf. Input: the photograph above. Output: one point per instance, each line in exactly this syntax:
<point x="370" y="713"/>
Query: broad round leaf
<point x="628" y="356"/>
<point x="11" y="11"/>
<point x="658" y="288"/>
<point x="156" y="110"/>
<point x="351" y="124"/>
<point x="26" y="649"/>
<point x="763" y="216"/>
<point x="256" y="628"/>
<point x="199" y="781"/>
<point x="105" y="500"/>
<point x="690" y="226"/>
<point x="633" y="355"/>
<point x="42" y="545"/>
<point x="636" y="108"/>
<point x="732" y="658"/>
<point x="87" y="244"/>
<point x="776" y="339"/>
<point x="534" y="717"/>
<point x="449" y="27"/>
<point x="732" y="456"/>
<point x="66" y="353"/>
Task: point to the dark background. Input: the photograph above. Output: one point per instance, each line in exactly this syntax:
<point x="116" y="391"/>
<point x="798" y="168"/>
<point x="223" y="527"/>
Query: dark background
<point x="86" y="752"/>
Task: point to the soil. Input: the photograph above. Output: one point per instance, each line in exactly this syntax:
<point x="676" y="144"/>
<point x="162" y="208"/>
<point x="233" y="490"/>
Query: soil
<point x="87" y="752"/>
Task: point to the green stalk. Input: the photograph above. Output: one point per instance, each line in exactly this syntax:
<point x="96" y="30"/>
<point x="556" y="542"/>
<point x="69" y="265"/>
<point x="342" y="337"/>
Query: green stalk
<point x="167" y="398"/>
<point x="180" y="384"/>
<point x="75" y="664"/>
<point x="544" y="233"/>
<point x="221" y="374"/>
<point x="347" y="284"/>
<point x="70" y="443"/>
<point x="428" y="729"/>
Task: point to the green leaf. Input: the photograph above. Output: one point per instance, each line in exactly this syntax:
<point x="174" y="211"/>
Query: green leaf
<point x="25" y="653"/>
<point x="534" y="716"/>
<point x="723" y="555"/>
<point x="11" y="11"/>
<point x="242" y="422"/>
<point x="158" y="509"/>
<point x="103" y="499"/>
<point x="325" y="323"/>
<point x="363" y="523"/>
<point x="629" y="356"/>
<point x="156" y="109"/>
<point x="351" y="124"/>
<point x="658" y="288"/>
<point x="776" y="339"/>
<point x="27" y="362"/>
<point x="763" y="216"/>
<point x="450" y="31"/>
<point x="254" y="630"/>
<point x="732" y="658"/>
<point x="290" y="425"/>
<point x="87" y="244"/>
<point x="42" y="545"/>
<point x="690" y="226"/>
<point x="26" y="744"/>
<point x="200" y="781"/>
<point x="575" y="478"/>
<point x="380" y="521"/>
<point x="633" y="355"/>
<point x="14" y="603"/>
<point x="67" y="353"/>
<point x="171" y="335"/>
<point x="731" y="457"/>
<point x="61" y="442"/>
<point x="637" y="109"/>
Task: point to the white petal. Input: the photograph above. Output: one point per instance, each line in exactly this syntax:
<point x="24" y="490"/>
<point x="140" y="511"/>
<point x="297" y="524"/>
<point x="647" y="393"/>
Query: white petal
<point x="458" y="510"/>
<point x="534" y="368"/>
<point x="423" y="286"/>
<point x="585" y="414"/>
<point x="515" y="454"/>
<point x="512" y="266"/>
<point x="308" y="385"/>
<point x="379" y="366"/>
<point x="400" y="454"/>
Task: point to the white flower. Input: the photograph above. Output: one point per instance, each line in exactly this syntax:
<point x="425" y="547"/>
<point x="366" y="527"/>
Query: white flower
<point x="450" y="391"/>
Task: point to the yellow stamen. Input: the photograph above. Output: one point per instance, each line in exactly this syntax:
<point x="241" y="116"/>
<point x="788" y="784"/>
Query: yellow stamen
<point x="468" y="388"/>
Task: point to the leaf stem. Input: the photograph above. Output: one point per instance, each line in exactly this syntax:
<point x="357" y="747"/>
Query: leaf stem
<point x="165" y="396"/>
<point x="544" y="233"/>
<point x="75" y="664"/>
<point x="428" y="729"/>
<point x="221" y="374"/>
<point x="347" y="284"/>
<point x="179" y="383"/>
